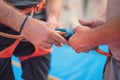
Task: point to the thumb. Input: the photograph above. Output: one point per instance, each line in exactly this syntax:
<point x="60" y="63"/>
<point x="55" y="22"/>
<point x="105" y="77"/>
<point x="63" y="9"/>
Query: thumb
<point x="86" y="23"/>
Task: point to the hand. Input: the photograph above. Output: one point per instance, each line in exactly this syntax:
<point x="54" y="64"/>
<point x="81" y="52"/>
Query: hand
<point x="53" y="24"/>
<point x="38" y="33"/>
<point x="83" y="39"/>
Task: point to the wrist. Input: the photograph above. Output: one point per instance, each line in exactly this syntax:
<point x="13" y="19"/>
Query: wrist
<point x="93" y="36"/>
<point x="23" y="24"/>
<point x="99" y="35"/>
<point x="27" y="27"/>
<point x="53" y="23"/>
<point x="52" y="19"/>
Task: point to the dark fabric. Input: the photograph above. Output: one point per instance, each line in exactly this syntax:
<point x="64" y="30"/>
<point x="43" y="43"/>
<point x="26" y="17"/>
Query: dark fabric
<point x="6" y="72"/>
<point x="21" y="4"/>
<point x="24" y="48"/>
<point x="112" y="69"/>
<point x="116" y="68"/>
<point x="5" y="42"/>
<point x="36" y="68"/>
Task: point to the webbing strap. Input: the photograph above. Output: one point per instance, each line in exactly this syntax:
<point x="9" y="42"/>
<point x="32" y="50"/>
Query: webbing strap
<point x="7" y="53"/>
<point x="102" y="52"/>
<point x="38" y="52"/>
<point x="11" y="36"/>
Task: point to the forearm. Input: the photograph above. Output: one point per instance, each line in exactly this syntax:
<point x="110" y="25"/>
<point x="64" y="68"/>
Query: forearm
<point x="109" y="33"/>
<point x="10" y="17"/>
<point x="53" y="9"/>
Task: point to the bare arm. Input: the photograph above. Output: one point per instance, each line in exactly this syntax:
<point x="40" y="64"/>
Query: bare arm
<point x="10" y="17"/>
<point x="52" y="10"/>
<point x="109" y="33"/>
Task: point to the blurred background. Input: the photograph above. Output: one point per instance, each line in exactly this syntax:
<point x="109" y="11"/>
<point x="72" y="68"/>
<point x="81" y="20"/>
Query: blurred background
<point x="66" y="64"/>
<point x="72" y="10"/>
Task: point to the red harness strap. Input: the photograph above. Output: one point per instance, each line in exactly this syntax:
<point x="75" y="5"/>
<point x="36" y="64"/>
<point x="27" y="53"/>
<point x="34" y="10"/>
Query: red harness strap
<point x="37" y="52"/>
<point x="37" y="8"/>
<point x="7" y="53"/>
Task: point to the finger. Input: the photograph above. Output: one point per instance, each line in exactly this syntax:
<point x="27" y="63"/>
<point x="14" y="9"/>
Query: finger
<point x="54" y="42"/>
<point x="59" y="45"/>
<point x="45" y="45"/>
<point x="76" y="28"/>
<point x="79" y="50"/>
<point x="86" y="23"/>
<point x="82" y="50"/>
<point x="55" y="36"/>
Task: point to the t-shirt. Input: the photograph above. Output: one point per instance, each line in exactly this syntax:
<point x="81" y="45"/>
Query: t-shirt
<point x="23" y="3"/>
<point x="112" y="68"/>
<point x="112" y="12"/>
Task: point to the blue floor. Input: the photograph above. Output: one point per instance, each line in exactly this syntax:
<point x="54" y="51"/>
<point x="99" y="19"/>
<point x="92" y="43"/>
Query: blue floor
<point x="68" y="65"/>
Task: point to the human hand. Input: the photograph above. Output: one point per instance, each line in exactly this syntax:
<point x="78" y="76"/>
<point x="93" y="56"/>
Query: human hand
<point x="53" y="24"/>
<point x="38" y="33"/>
<point x="83" y="39"/>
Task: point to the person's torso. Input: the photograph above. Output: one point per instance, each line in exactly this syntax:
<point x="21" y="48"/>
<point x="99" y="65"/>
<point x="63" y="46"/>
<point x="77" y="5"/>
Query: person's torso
<point x="113" y="10"/>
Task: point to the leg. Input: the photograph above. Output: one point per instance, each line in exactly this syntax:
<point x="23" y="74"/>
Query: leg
<point x="6" y="72"/>
<point x="36" y="68"/>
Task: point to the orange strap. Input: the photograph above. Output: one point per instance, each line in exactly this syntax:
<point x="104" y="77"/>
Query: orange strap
<point x="37" y="8"/>
<point x="102" y="52"/>
<point x="7" y="53"/>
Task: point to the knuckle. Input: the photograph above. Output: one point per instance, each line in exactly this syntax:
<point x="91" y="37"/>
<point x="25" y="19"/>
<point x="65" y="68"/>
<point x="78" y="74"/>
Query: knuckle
<point x="48" y="47"/>
<point x="86" y="51"/>
<point x="49" y="33"/>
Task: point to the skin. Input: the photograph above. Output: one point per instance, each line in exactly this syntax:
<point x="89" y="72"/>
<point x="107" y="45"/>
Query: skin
<point x="9" y="16"/>
<point x="52" y="13"/>
<point x="92" y="37"/>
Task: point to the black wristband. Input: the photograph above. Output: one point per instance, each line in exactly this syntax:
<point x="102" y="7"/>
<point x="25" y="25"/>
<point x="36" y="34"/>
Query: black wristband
<point x="21" y="28"/>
